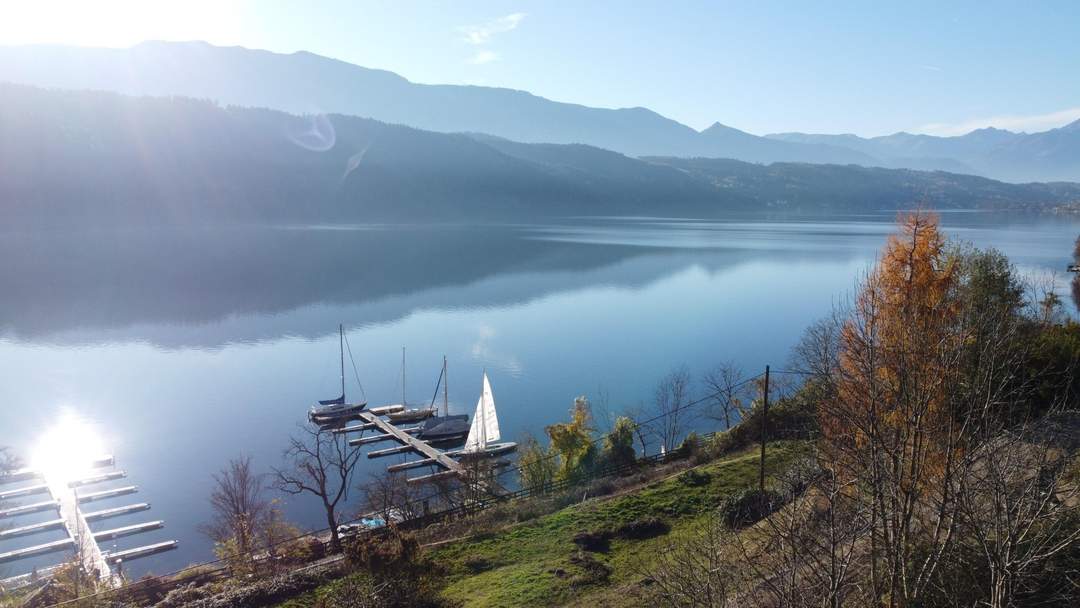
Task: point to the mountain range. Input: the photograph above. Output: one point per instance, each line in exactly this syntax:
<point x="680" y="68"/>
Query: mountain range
<point x="305" y="83"/>
<point x="88" y="158"/>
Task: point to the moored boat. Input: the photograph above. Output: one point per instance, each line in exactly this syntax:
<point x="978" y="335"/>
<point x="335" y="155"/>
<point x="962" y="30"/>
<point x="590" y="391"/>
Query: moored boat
<point x="336" y="411"/>
<point x="484" y="434"/>
<point x="444" y="428"/>
<point x="411" y="415"/>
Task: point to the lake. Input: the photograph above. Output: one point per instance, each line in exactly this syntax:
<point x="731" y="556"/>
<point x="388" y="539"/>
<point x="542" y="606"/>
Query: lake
<point x="184" y="349"/>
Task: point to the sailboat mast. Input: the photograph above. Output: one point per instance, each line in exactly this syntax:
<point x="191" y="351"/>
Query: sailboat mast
<point x="483" y="416"/>
<point x="403" y="376"/>
<point x="341" y="350"/>
<point x="445" y="389"/>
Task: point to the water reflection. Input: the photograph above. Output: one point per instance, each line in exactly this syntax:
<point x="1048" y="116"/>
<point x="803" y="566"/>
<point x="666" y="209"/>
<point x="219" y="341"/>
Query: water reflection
<point x="67" y="450"/>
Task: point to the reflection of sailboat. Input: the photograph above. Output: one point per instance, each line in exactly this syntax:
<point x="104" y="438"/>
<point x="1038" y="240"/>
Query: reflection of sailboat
<point x="332" y="411"/>
<point x="484" y="433"/>
<point x="408" y="414"/>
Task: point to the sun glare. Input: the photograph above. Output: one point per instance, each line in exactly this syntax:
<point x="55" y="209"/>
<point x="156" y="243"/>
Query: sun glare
<point x="67" y="450"/>
<point x="117" y="23"/>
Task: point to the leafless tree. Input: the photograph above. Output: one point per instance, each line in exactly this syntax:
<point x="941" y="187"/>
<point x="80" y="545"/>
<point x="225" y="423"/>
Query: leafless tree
<point x="693" y="571"/>
<point x="8" y="461"/>
<point x="8" y="464"/>
<point x="1076" y="292"/>
<point x="601" y="411"/>
<point x="638" y="413"/>
<point x="240" y="507"/>
<point x="725" y="383"/>
<point x="319" y="463"/>
<point x="807" y="553"/>
<point x="1044" y="303"/>
<point x="391" y="496"/>
<point x="1076" y="279"/>
<point x="817" y="354"/>
<point x="1017" y="508"/>
<point x="668" y="417"/>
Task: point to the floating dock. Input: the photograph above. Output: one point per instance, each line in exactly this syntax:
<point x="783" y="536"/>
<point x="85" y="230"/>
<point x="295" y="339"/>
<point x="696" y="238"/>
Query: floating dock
<point x="432" y="456"/>
<point x="66" y="499"/>
<point x="414" y="444"/>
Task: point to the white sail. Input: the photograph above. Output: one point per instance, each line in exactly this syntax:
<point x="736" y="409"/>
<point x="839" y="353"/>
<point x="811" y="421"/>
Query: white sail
<point x="485" y="424"/>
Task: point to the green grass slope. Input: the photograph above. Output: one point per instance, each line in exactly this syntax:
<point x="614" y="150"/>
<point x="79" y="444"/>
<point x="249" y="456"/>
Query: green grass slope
<point x="536" y="563"/>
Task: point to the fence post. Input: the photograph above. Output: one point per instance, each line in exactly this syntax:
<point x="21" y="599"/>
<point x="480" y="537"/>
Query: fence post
<point x="764" y="431"/>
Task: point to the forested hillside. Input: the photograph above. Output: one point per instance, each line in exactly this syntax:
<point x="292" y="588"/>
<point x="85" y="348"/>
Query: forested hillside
<point x="91" y="158"/>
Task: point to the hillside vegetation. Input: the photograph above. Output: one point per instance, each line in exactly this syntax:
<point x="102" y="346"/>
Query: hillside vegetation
<point x="300" y="82"/>
<point x="538" y="563"/>
<point x="90" y="159"/>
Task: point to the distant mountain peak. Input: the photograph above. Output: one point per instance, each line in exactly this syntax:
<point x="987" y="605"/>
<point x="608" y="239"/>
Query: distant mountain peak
<point x="719" y="126"/>
<point x="304" y="82"/>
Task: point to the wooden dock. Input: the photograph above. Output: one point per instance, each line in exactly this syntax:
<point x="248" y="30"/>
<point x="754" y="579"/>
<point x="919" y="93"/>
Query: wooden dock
<point x="432" y="456"/>
<point x="66" y="499"/>
<point x="436" y="455"/>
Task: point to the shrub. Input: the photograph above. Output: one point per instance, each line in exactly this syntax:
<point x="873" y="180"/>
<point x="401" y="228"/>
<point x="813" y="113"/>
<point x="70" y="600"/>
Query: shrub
<point x="266" y="592"/>
<point x="405" y="578"/>
<point x="593" y="571"/>
<point x="596" y="541"/>
<point x="640" y="529"/>
<point x="476" y="565"/>
<point x="747" y="507"/>
<point x="619" y="443"/>
<point x="600" y="487"/>
<point x="690" y="447"/>
<point x="694" y="478"/>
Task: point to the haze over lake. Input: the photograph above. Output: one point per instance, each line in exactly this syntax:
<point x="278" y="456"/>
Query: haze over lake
<point x="187" y="348"/>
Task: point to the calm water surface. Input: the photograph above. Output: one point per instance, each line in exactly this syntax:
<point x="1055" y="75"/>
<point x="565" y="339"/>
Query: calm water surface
<point x="183" y="350"/>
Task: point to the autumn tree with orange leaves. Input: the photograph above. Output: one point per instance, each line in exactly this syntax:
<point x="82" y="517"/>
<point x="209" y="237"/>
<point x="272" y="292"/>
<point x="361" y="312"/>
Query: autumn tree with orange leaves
<point x="905" y="402"/>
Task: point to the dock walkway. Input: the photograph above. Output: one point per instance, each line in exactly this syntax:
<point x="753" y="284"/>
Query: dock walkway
<point x="432" y="455"/>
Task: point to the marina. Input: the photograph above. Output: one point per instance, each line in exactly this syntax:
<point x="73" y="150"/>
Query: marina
<point x="480" y="438"/>
<point x="82" y="542"/>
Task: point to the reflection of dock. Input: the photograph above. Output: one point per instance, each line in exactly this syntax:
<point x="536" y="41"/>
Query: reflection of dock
<point x="65" y="500"/>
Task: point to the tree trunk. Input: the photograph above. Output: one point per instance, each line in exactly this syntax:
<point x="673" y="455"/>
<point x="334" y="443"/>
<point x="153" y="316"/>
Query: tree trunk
<point x="331" y="521"/>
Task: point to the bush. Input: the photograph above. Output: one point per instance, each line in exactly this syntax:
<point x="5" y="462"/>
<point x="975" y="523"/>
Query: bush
<point x="690" y="447"/>
<point x="181" y="596"/>
<point x="640" y="529"/>
<point x="747" y="507"/>
<point x="267" y="592"/>
<point x="476" y="565"/>
<point x="593" y="571"/>
<point x="395" y="560"/>
<point x="600" y="487"/>
<point x="619" y="444"/>
<point x="793" y="417"/>
<point x="694" y="478"/>
<point x="596" y="541"/>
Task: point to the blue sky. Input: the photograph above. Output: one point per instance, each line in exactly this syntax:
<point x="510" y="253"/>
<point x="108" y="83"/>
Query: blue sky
<point x="864" y="67"/>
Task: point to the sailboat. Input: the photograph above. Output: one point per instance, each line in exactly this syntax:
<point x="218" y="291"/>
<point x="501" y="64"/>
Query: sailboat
<point x="445" y="430"/>
<point x="407" y="414"/>
<point x="483" y="439"/>
<point x="335" y="411"/>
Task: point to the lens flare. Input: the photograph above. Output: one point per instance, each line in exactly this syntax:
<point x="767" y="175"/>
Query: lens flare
<point x="317" y="135"/>
<point x="67" y="451"/>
